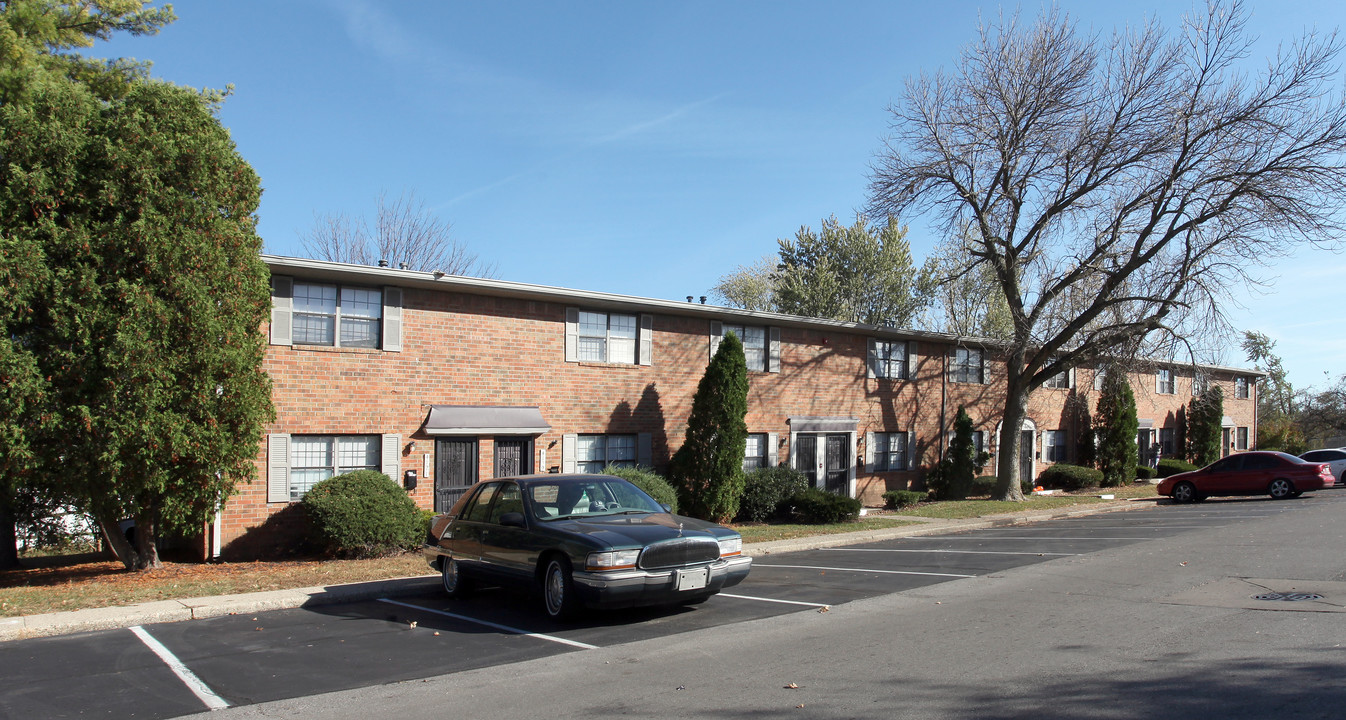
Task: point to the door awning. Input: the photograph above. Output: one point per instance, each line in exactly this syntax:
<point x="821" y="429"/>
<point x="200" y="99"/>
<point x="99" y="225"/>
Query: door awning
<point x="484" y="420"/>
<point x="1226" y="421"/>
<point x="1145" y="423"/>
<point x="822" y="424"/>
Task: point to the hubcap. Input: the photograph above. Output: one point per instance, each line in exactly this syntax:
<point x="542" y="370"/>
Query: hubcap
<point x="451" y="575"/>
<point x="555" y="589"/>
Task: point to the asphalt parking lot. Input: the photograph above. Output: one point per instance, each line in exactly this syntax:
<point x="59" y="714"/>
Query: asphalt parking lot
<point x="171" y="669"/>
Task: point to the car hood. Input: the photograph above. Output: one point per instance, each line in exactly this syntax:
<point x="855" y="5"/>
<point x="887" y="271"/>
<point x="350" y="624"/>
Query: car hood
<point x="631" y="530"/>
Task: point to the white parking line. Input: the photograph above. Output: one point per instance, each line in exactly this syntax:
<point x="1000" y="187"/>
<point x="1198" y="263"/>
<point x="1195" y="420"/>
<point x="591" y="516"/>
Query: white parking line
<point x="866" y="570"/>
<point x="188" y="678"/>
<point x="497" y="626"/>
<point x="1025" y="537"/>
<point x="772" y="600"/>
<point x="1145" y="527"/>
<point x="938" y="550"/>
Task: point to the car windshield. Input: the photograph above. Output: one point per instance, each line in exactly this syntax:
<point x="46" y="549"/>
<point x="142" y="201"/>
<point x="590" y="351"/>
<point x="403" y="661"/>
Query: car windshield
<point x="588" y="498"/>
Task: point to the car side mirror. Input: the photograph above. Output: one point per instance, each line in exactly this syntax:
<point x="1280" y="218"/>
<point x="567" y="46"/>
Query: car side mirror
<point x="667" y="508"/>
<point x="512" y="519"/>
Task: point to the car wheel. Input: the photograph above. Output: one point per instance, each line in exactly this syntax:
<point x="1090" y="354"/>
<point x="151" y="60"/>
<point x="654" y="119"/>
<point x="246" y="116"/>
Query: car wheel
<point x="1184" y="492"/>
<point x="451" y="577"/>
<point x="1280" y="489"/>
<point x="558" y="590"/>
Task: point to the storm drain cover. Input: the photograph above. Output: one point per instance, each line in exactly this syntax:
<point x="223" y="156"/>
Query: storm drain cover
<point x="1288" y="597"/>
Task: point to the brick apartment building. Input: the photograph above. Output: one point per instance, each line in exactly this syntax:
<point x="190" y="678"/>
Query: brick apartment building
<point x="453" y="379"/>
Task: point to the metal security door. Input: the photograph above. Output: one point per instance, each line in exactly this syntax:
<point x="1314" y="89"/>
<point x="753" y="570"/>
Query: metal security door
<point x="455" y="470"/>
<point x="1143" y="447"/>
<point x="806" y="457"/>
<point x="1027" y="447"/>
<point x="513" y="457"/>
<point x="838" y="464"/>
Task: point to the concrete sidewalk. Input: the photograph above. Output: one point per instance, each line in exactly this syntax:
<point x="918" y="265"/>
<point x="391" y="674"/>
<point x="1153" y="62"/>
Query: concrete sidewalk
<point x="64" y="623"/>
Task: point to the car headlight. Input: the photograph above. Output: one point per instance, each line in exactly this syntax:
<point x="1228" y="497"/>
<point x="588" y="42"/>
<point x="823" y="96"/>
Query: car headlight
<point x="611" y="560"/>
<point x="731" y="546"/>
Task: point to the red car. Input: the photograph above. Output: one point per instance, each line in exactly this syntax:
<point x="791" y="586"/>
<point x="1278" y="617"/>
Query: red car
<point x="1249" y="473"/>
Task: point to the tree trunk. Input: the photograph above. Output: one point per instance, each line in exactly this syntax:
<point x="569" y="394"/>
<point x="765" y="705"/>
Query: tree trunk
<point x="114" y="538"/>
<point x="1007" y="459"/>
<point x="147" y="535"/>
<point x="9" y="539"/>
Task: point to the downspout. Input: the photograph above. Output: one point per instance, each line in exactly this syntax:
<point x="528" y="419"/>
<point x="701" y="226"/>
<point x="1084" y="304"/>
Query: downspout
<point x="943" y="405"/>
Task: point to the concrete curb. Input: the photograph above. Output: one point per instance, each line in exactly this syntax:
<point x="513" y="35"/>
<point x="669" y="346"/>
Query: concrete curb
<point x="108" y="618"/>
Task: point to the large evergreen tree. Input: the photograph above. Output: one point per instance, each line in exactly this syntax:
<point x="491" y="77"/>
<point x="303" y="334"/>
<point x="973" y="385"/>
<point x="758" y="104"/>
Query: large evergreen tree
<point x="708" y="469"/>
<point x="960" y="464"/>
<point x="1205" y="426"/>
<point x="1115" y="425"/>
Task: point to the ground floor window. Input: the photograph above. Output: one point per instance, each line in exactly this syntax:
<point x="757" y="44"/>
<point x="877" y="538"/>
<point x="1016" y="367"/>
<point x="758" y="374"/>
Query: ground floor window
<point x="1241" y="438"/>
<point x="314" y="458"/>
<point x="890" y="451"/>
<point x="1167" y="445"/>
<point x="1054" y="446"/>
<point x="595" y="452"/>
<point x="754" y="452"/>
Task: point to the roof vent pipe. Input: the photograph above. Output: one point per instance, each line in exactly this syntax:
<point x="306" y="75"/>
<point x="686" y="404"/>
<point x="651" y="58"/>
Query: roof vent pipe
<point x="703" y="299"/>
<point x="383" y="263"/>
<point x="402" y="266"/>
<point x="689" y="298"/>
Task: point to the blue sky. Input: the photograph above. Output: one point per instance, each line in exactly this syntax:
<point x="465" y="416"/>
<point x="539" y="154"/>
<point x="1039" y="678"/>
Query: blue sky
<point x="632" y="147"/>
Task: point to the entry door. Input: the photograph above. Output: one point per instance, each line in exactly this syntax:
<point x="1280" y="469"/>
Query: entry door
<point x="455" y="470"/>
<point x="1226" y="441"/>
<point x="806" y="457"/>
<point x="1143" y="447"/>
<point x="837" y="464"/>
<point x="513" y="457"/>
<point x="1026" y="459"/>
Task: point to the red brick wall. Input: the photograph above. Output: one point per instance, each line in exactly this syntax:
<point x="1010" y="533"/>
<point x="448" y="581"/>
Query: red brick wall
<point x="462" y="349"/>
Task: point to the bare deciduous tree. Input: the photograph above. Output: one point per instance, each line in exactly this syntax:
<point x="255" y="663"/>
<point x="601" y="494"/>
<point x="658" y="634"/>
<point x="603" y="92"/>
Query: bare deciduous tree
<point x="1118" y="187"/>
<point x="404" y="232"/>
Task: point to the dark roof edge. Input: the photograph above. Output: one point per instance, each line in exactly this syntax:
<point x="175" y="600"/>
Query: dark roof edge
<point x="367" y="274"/>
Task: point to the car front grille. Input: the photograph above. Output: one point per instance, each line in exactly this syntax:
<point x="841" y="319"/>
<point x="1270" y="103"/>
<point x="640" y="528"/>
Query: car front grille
<point x="679" y="552"/>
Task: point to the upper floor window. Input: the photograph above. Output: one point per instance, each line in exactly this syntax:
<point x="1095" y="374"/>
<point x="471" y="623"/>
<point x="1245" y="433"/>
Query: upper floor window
<point x="754" y="452"/>
<point x="314" y="458"/>
<point x="337" y="316"/>
<point x="1200" y="383"/>
<point x="753" y="338"/>
<point x="1054" y="446"/>
<point x="889" y="359"/>
<point x="1099" y="374"/>
<point x="967" y="366"/>
<point x="1241" y="388"/>
<point x="607" y="337"/>
<point x="1163" y="382"/>
<point x="595" y="452"/>
<point x="1059" y="381"/>
<point x="890" y="451"/>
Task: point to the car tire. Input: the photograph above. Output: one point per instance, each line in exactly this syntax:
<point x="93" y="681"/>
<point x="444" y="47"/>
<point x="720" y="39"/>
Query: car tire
<point x="1184" y="492"/>
<point x="1281" y="489"/>
<point x="558" y="590"/>
<point x="451" y="577"/>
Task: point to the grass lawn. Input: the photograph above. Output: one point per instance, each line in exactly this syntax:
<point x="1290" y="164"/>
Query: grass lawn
<point x="963" y="509"/>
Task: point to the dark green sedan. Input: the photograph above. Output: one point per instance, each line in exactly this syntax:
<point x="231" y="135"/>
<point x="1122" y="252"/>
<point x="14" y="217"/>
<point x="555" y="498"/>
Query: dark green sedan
<point x="594" y="541"/>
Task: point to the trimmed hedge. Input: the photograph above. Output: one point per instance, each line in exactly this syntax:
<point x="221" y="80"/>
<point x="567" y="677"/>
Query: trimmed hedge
<point x="1172" y="466"/>
<point x="1145" y="472"/>
<point x="894" y="499"/>
<point x="984" y="484"/>
<point x="819" y="507"/>
<point x="648" y="480"/>
<point x="766" y="490"/>
<point x="1063" y="476"/>
<point x="363" y="514"/>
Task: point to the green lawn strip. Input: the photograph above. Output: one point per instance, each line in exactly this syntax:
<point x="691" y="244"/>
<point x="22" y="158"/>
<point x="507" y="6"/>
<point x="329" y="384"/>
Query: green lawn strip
<point x="963" y="509"/>
<point x="767" y="533"/>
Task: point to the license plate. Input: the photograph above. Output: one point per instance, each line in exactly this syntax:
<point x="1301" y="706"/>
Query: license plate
<point x="693" y="579"/>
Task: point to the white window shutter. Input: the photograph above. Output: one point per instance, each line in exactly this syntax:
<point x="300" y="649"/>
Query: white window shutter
<point x="1070" y="382"/>
<point x="869" y="443"/>
<point x="911" y="360"/>
<point x="773" y="350"/>
<point x="911" y="450"/>
<point x="872" y="369"/>
<point x="391" y="460"/>
<point x="645" y="450"/>
<point x="716" y="334"/>
<point x="1157" y="381"/>
<point x="646" y="340"/>
<point x="282" y="314"/>
<point x="569" y="446"/>
<point x="772" y="449"/>
<point x="277" y="468"/>
<point x="392" y="320"/>
<point x="572" y="334"/>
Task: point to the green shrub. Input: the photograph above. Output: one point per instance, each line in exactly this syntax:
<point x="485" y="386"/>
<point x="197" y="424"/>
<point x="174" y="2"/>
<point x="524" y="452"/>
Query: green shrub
<point x="894" y="499"/>
<point x="984" y="484"/>
<point x="766" y="490"/>
<point x="818" y="507"/>
<point x="1172" y="466"/>
<point x="428" y="517"/>
<point x="648" y="480"/>
<point x="363" y="514"/>
<point x="1070" y="477"/>
<point x="1145" y="472"/>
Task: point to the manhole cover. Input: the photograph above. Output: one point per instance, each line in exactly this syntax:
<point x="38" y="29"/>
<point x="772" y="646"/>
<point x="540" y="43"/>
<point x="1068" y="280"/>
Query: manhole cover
<point x="1288" y="597"/>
